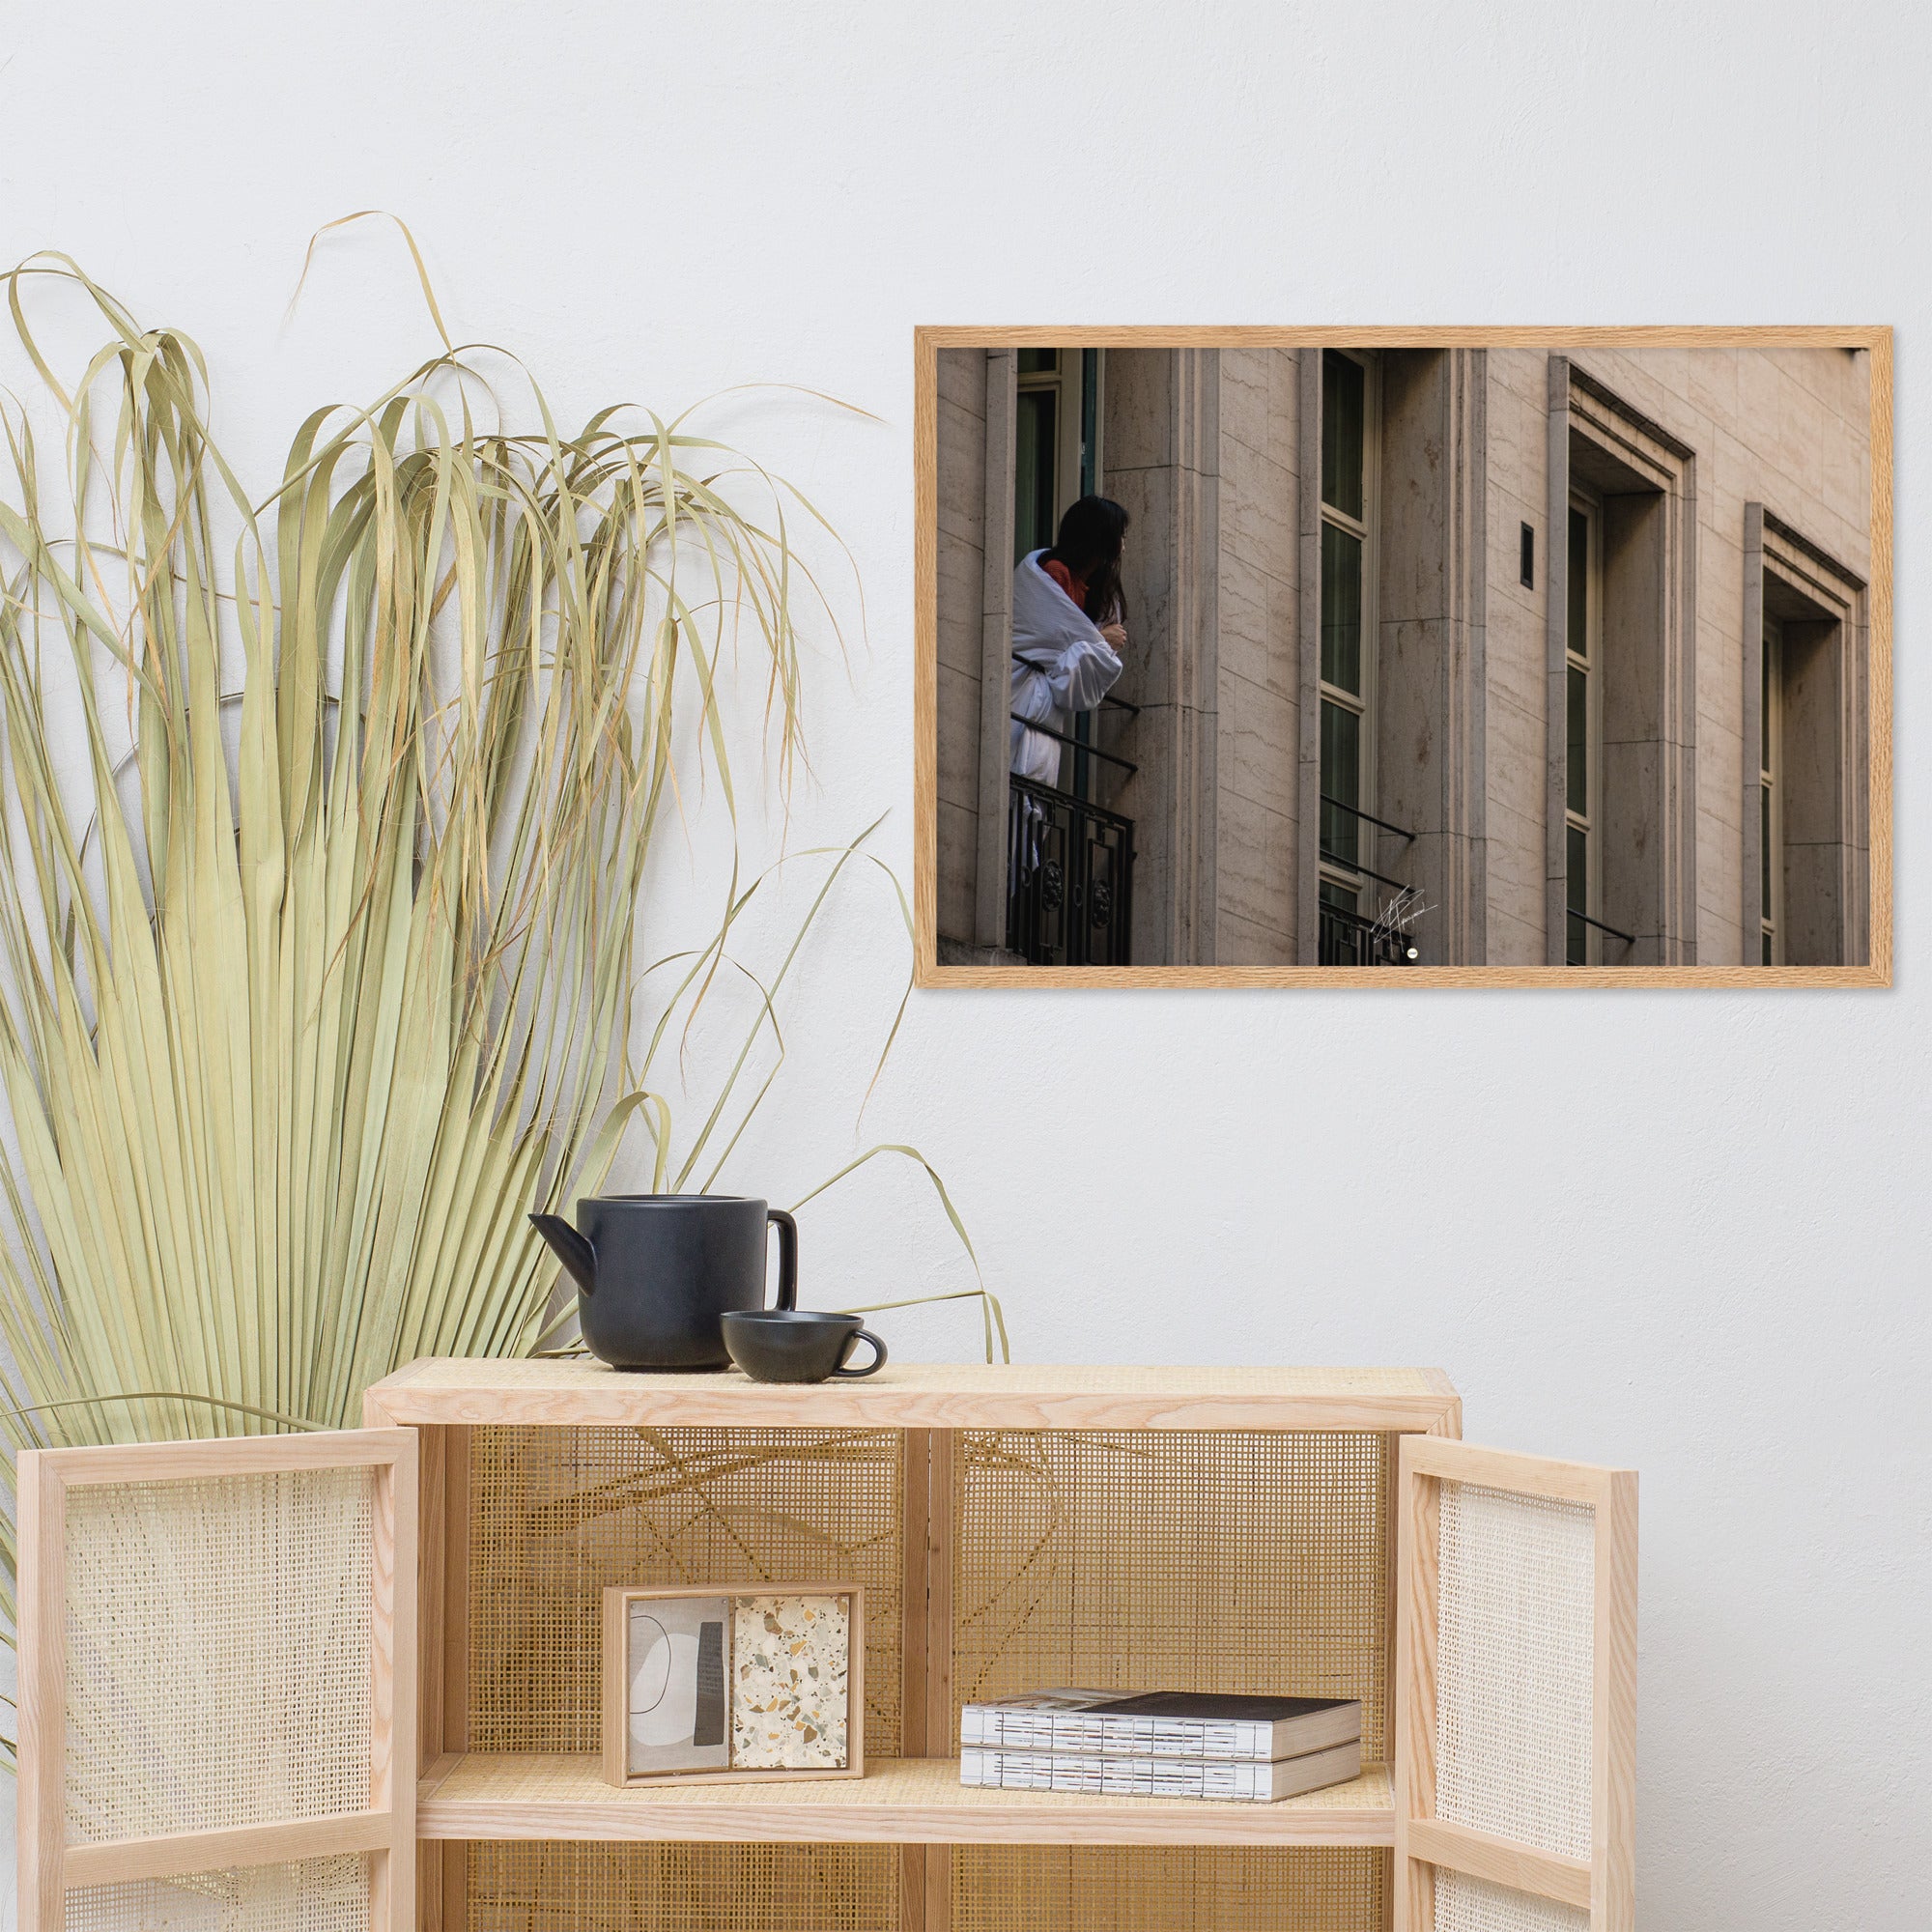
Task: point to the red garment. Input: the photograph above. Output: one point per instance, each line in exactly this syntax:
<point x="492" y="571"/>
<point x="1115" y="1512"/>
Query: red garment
<point x="1074" y="586"/>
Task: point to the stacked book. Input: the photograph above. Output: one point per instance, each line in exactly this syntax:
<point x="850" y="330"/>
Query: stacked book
<point x="1164" y="1743"/>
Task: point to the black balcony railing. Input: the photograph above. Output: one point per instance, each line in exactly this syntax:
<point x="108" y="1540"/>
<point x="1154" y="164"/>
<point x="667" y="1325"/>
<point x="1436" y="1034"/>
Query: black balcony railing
<point x="1343" y="936"/>
<point x="1348" y="939"/>
<point x="1069" y="878"/>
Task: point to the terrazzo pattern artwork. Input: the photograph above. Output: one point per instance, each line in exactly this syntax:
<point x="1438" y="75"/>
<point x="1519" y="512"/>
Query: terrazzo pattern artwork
<point x="790" y="1682"/>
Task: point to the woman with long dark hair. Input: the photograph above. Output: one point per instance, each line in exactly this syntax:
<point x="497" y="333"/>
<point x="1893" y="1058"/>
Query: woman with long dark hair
<point x="1070" y="629"/>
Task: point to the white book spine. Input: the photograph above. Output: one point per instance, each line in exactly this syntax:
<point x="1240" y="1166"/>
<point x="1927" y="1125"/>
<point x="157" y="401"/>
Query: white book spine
<point x="1015" y="1729"/>
<point x="1116" y="1777"/>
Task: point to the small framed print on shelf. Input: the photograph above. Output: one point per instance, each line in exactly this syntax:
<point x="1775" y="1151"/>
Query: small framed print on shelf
<point x="751" y="1684"/>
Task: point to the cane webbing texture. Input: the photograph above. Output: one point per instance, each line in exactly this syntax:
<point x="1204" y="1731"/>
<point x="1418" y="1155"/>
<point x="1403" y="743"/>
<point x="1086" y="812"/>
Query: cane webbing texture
<point x="559" y="1513"/>
<point x="1515" y="1666"/>
<point x="532" y="1886"/>
<point x="1464" y="1904"/>
<point x="1174" y="1560"/>
<point x="312" y="1895"/>
<point x="218" y="1652"/>
<point x="1140" y="1888"/>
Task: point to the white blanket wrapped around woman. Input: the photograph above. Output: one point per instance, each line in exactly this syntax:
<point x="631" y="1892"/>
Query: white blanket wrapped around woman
<point x="1062" y="665"/>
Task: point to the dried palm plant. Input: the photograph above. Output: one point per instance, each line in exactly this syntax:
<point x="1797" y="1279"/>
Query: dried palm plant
<point x="318" y="972"/>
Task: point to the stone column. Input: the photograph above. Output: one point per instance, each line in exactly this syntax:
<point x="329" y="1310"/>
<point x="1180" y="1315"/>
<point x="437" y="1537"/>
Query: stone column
<point x="996" y="648"/>
<point x="1430" y="573"/>
<point x="1161" y="440"/>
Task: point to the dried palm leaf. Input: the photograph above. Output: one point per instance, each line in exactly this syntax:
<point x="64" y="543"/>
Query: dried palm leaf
<point x="319" y="973"/>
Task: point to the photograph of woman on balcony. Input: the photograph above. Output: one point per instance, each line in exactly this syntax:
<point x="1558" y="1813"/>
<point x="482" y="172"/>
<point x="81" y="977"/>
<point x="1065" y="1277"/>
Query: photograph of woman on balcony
<point x="1534" y="654"/>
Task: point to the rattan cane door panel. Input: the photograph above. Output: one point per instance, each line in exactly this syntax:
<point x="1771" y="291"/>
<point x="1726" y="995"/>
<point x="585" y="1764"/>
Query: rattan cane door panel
<point x="204" y="1691"/>
<point x="1466" y="1904"/>
<point x="217" y="1702"/>
<point x="1514" y="1665"/>
<point x="310" y="1895"/>
<point x="1516" y="1694"/>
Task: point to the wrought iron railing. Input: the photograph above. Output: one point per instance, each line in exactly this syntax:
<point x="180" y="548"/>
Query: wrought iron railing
<point x="1348" y="939"/>
<point x="1069" y="878"/>
<point x="1344" y="936"/>
<point x="1577" y="948"/>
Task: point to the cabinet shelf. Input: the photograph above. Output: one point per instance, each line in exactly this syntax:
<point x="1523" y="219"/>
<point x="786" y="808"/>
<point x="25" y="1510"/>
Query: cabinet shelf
<point x="898" y="1802"/>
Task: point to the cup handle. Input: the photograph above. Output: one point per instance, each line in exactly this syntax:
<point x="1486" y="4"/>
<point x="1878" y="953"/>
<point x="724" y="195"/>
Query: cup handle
<point x="872" y="1367"/>
<point x="788" y="1257"/>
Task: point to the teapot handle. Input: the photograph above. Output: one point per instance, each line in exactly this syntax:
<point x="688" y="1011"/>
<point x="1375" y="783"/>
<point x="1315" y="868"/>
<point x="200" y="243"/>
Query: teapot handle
<point x="788" y="1257"/>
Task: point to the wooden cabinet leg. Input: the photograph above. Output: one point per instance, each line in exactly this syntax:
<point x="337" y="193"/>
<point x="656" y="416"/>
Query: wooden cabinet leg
<point x="442" y="1876"/>
<point x="938" y="1889"/>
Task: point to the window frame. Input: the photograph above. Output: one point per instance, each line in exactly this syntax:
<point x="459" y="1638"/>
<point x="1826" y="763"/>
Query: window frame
<point x="1068" y="389"/>
<point x="1034" y="383"/>
<point x="1590" y="821"/>
<point x="1770" y="787"/>
<point x="1354" y="882"/>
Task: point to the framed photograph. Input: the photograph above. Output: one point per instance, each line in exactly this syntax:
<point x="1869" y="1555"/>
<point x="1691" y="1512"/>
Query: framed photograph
<point x="747" y="1683"/>
<point x="1403" y="656"/>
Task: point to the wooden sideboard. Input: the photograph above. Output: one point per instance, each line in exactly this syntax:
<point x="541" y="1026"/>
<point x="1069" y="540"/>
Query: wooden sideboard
<point x="1319" y="1531"/>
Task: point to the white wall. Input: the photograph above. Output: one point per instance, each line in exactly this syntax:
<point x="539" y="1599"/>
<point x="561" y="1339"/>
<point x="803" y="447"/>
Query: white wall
<point x="1681" y="1231"/>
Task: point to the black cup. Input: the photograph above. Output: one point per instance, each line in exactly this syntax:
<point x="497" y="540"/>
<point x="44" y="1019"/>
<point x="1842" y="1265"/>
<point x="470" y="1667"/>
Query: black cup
<point x="790" y="1344"/>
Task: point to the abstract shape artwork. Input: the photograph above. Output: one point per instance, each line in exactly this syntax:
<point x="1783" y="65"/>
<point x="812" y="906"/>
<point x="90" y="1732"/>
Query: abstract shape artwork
<point x="676" y="1701"/>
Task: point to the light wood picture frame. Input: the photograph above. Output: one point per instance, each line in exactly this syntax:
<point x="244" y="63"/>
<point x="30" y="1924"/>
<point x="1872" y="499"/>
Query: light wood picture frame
<point x="1554" y="1546"/>
<point x="614" y="1711"/>
<point x="281" y="1538"/>
<point x="1785" y="567"/>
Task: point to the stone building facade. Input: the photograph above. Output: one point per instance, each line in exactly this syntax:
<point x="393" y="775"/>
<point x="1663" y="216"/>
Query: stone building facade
<point x="1567" y="650"/>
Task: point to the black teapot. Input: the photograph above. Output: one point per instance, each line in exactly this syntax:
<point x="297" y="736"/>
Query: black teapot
<point x="656" y="1272"/>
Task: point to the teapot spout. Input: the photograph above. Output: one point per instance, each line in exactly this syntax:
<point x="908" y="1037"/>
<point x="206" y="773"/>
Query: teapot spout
<point x="570" y="1248"/>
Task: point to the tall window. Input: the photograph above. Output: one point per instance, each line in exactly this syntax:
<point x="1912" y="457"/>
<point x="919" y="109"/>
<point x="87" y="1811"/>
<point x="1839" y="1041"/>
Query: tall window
<point x="1583" y="705"/>
<point x="1348" y="625"/>
<point x="1055" y="442"/>
<point x="1771" y="799"/>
